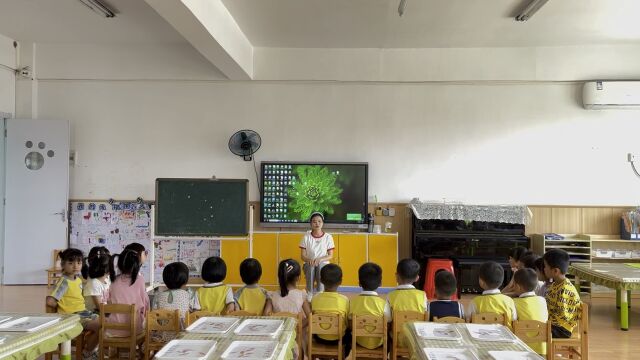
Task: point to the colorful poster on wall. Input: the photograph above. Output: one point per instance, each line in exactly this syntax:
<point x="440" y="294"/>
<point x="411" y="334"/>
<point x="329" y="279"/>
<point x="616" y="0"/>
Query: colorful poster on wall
<point x="113" y="226"/>
<point x="191" y="251"/>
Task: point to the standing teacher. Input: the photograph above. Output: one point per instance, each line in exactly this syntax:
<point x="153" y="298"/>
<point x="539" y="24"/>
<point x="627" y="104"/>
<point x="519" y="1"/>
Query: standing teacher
<point x="316" y="249"/>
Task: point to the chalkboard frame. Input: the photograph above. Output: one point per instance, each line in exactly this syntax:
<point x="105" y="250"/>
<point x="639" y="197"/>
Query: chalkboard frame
<point x="157" y="207"/>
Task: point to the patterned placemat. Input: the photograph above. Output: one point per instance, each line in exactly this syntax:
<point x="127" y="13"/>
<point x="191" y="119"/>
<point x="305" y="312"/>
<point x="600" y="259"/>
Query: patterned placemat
<point x="30" y="345"/>
<point x="479" y="348"/>
<point x="286" y="338"/>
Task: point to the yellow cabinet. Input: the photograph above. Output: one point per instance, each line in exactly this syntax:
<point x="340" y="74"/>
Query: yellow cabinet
<point x="352" y="249"/>
<point x="289" y="247"/>
<point x="265" y="250"/>
<point x="233" y="252"/>
<point x="383" y="250"/>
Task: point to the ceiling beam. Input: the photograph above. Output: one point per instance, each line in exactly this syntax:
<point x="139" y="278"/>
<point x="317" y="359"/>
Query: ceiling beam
<point x="210" y="28"/>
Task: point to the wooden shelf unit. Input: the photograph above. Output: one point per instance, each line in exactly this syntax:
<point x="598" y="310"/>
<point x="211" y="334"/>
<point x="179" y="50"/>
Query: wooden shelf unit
<point x="577" y="245"/>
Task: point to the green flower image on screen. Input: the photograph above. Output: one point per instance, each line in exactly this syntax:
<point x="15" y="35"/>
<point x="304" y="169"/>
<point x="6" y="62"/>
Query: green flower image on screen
<point x="314" y="189"/>
<point x="293" y="191"/>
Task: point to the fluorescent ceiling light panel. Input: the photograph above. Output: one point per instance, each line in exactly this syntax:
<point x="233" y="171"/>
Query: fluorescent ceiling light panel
<point x="531" y="9"/>
<point x="98" y="7"/>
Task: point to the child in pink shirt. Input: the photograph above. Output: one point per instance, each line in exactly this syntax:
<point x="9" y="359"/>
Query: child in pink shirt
<point x="128" y="288"/>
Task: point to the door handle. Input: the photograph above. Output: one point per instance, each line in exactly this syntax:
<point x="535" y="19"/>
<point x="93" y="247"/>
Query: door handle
<point x="62" y="214"/>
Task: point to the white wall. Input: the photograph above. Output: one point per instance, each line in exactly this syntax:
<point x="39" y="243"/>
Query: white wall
<point x="7" y="106"/>
<point x="7" y="76"/>
<point x="478" y="142"/>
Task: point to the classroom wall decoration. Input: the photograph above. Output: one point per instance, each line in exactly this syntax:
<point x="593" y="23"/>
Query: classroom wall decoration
<point x="114" y="226"/>
<point x="192" y="251"/>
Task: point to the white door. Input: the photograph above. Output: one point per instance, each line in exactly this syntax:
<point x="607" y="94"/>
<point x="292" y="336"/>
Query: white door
<point x="37" y="190"/>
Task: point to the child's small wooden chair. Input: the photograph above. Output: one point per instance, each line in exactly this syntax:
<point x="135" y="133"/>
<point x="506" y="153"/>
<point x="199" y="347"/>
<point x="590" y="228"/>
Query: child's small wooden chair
<point x="240" y="313"/>
<point x="192" y="317"/>
<point x="299" y="328"/>
<point x="54" y="273"/>
<point x="399" y="319"/>
<point x="533" y="332"/>
<point x="449" y="320"/>
<point x="488" y="318"/>
<point x="119" y="342"/>
<point x="368" y="326"/>
<point x="160" y="320"/>
<point x="578" y="343"/>
<point x="325" y="324"/>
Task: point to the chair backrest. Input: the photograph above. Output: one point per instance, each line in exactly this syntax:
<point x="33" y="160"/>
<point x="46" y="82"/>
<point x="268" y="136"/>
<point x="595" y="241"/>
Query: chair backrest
<point x="326" y="324"/>
<point x="299" y="322"/>
<point x="402" y="317"/>
<point x="369" y="325"/>
<point x="192" y="317"/>
<point x="488" y="318"/>
<point x="449" y="320"/>
<point x="532" y="331"/>
<point x="240" y="313"/>
<point x="125" y="309"/>
<point x="163" y="320"/>
<point x="55" y="264"/>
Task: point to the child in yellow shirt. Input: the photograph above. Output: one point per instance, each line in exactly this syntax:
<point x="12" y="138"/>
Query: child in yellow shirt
<point x="67" y="297"/>
<point x="406" y="297"/>
<point x="215" y="296"/>
<point x="562" y="297"/>
<point x="368" y="302"/>
<point x="251" y="297"/>
<point x="331" y="302"/>
<point x="529" y="306"/>
<point x="492" y="301"/>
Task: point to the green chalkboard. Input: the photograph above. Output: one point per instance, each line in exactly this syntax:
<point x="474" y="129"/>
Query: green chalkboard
<point x="201" y="207"/>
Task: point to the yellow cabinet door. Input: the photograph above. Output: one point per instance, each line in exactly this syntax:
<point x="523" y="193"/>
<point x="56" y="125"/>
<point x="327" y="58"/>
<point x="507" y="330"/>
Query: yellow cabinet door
<point x="289" y="246"/>
<point x="265" y="250"/>
<point x="233" y="252"/>
<point x="383" y="250"/>
<point x="336" y="251"/>
<point x="352" y="249"/>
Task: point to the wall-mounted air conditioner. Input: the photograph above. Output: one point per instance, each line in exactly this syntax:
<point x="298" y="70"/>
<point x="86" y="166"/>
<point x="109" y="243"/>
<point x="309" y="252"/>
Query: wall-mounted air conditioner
<point x="611" y="95"/>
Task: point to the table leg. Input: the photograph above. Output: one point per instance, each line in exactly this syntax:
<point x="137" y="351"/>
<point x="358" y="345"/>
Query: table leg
<point x="618" y="298"/>
<point x="624" y="311"/>
<point x="65" y="350"/>
<point x="629" y="298"/>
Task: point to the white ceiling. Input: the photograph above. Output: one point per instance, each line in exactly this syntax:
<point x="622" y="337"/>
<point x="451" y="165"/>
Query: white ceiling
<point x="341" y="23"/>
<point x="433" y="23"/>
<point x="69" y="21"/>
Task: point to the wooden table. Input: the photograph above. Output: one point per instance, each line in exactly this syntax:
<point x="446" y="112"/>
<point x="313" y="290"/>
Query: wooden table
<point x="621" y="277"/>
<point x="31" y="345"/>
<point x="286" y="339"/>
<point x="480" y="348"/>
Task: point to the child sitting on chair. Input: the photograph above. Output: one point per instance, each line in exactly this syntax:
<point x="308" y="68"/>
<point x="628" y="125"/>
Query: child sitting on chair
<point x="406" y="297"/>
<point x="563" y="300"/>
<point x="446" y="286"/>
<point x="543" y="281"/>
<point x="251" y="297"/>
<point x="67" y="297"/>
<point x="368" y="302"/>
<point x="528" y="305"/>
<point x="215" y="296"/>
<point x="177" y="296"/>
<point x="331" y="302"/>
<point x="492" y="301"/>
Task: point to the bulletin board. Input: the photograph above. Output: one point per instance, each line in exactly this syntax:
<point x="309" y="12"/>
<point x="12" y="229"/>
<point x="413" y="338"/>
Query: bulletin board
<point x="112" y="225"/>
<point x="191" y="251"/>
